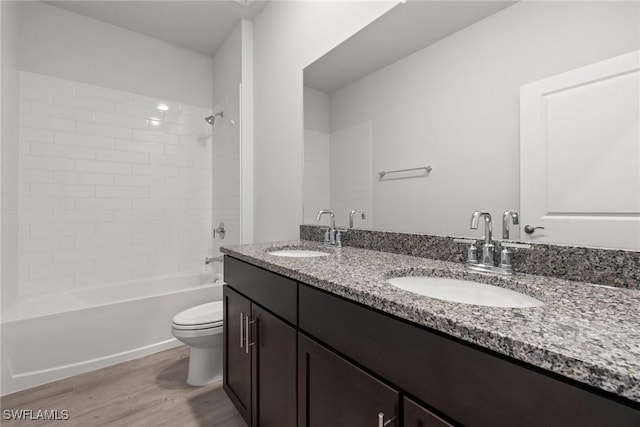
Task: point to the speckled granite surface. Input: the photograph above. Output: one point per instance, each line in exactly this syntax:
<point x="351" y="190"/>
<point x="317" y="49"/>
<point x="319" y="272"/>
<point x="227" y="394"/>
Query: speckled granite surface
<point x="611" y="267"/>
<point x="586" y="332"/>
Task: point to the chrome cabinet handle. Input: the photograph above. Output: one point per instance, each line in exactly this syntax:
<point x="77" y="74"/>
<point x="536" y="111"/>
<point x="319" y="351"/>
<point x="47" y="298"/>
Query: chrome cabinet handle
<point x="241" y="330"/>
<point x="246" y="335"/>
<point x="530" y="228"/>
<point x="250" y="341"/>
<point x="382" y="422"/>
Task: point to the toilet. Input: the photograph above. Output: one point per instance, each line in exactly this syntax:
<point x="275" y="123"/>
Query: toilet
<point x="200" y="328"/>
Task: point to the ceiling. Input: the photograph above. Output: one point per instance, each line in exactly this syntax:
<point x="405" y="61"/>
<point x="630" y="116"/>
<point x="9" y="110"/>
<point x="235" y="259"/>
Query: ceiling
<point x="398" y="33"/>
<point x="201" y="26"/>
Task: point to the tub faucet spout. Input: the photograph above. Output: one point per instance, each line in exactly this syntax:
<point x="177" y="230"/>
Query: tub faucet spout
<point x="208" y="260"/>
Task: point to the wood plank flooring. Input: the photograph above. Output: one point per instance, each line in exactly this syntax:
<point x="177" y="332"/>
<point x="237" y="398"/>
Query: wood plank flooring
<point x="150" y="391"/>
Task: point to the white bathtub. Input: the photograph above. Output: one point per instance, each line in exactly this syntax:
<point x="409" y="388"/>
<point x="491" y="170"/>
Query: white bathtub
<point x="53" y="337"/>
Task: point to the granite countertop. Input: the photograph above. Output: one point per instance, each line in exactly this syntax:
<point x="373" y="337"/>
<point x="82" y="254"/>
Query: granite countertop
<point x="589" y="333"/>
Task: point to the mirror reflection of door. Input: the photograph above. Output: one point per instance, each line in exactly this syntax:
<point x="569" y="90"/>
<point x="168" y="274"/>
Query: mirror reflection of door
<point x="580" y="155"/>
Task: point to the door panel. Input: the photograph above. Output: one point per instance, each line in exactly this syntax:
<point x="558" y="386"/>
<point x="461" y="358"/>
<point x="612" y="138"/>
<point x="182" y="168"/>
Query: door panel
<point x="333" y="392"/>
<point x="274" y="368"/>
<point x="237" y="362"/>
<point x="580" y="155"/>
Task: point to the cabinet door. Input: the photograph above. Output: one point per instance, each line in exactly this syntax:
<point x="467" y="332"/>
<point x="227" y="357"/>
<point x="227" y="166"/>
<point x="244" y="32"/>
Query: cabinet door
<point x="274" y="370"/>
<point x="237" y="360"/>
<point x="417" y="416"/>
<point x="333" y="392"/>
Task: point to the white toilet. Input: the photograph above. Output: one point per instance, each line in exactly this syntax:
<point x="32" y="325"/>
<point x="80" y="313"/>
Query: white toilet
<point x="200" y="328"/>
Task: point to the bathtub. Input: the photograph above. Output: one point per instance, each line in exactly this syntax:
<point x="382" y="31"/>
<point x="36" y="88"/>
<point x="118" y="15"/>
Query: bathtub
<point x="53" y="337"/>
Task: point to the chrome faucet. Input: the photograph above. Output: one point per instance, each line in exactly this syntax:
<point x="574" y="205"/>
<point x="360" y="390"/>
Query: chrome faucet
<point x="332" y="236"/>
<point x="487" y="264"/>
<point x="506" y="256"/>
<point x="488" y="247"/>
<point x="352" y="213"/>
<point x="505" y="222"/>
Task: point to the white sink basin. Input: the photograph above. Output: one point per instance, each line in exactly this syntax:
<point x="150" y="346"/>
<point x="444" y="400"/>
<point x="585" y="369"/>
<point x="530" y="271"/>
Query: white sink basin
<point x="298" y="253"/>
<point x="464" y="291"/>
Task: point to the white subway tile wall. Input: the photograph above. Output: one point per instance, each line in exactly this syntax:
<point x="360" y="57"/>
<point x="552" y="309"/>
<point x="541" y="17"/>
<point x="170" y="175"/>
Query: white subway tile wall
<point x="114" y="186"/>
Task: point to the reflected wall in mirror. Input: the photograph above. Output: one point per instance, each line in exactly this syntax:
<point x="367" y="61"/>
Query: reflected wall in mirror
<point x="452" y="101"/>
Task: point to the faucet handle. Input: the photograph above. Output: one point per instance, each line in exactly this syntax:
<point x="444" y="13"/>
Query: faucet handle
<point x="506" y="256"/>
<point x="327" y="237"/>
<point x="472" y="251"/>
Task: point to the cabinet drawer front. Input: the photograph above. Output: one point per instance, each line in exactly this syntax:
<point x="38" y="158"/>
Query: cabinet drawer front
<point x="274" y="292"/>
<point x="333" y="392"/>
<point x="472" y="386"/>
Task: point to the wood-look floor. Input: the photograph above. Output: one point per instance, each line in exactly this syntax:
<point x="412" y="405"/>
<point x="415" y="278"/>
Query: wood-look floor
<point x="150" y="391"/>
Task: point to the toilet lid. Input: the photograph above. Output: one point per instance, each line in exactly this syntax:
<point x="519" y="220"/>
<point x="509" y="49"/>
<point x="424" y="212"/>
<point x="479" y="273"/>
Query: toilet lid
<point x="199" y="315"/>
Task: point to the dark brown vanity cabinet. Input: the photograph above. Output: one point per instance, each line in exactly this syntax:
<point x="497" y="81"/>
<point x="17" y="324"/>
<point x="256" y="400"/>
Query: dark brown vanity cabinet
<point x="259" y="354"/>
<point x="315" y="359"/>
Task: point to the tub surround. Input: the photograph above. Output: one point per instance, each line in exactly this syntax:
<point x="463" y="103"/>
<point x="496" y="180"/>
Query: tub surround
<point x="609" y="267"/>
<point x="92" y="328"/>
<point x="584" y="332"/>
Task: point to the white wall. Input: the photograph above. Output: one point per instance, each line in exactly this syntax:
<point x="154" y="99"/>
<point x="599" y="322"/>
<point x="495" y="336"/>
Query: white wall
<point x="317" y="175"/>
<point x="227" y="75"/>
<point x="337" y="165"/>
<point x="455" y="105"/>
<point x="247" y="136"/>
<point x="317" y="166"/>
<point x="316" y="110"/>
<point x="287" y="37"/>
<point x="111" y="188"/>
<point x="55" y="42"/>
<point x="9" y="153"/>
<point x="350" y="181"/>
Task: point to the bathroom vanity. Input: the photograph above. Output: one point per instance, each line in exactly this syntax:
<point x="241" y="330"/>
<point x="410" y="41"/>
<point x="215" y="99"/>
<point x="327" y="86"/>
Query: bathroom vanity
<point x="327" y="341"/>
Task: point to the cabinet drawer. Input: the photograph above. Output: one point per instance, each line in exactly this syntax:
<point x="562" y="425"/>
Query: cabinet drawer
<point x="472" y="386"/>
<point x="274" y="292"/>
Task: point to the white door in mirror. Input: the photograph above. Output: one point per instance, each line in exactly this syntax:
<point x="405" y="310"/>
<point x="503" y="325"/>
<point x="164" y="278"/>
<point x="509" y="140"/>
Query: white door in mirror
<point x="580" y="155"/>
<point x="464" y="291"/>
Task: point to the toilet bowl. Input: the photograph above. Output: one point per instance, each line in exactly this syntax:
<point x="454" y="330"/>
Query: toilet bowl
<point x="200" y="328"/>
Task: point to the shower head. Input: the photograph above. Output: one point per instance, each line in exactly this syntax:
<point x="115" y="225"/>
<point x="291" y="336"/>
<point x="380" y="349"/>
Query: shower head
<point x="212" y="119"/>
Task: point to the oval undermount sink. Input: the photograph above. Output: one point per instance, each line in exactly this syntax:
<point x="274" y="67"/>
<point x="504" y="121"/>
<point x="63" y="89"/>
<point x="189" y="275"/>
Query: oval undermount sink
<point x="298" y="253"/>
<point x="464" y="291"/>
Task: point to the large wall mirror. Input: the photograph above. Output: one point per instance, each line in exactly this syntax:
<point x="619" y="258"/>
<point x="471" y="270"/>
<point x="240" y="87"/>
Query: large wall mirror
<point x="438" y="85"/>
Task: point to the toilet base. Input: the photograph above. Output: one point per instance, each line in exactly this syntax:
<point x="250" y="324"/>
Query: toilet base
<point x="205" y="366"/>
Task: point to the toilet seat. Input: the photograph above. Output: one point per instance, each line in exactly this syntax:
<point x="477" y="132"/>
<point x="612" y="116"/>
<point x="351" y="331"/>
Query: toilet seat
<point x="201" y="327"/>
<point x="201" y="317"/>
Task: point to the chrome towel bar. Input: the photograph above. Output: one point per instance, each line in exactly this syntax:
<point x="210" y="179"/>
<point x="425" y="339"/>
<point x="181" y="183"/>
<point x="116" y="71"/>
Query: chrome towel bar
<point x="427" y="169"/>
